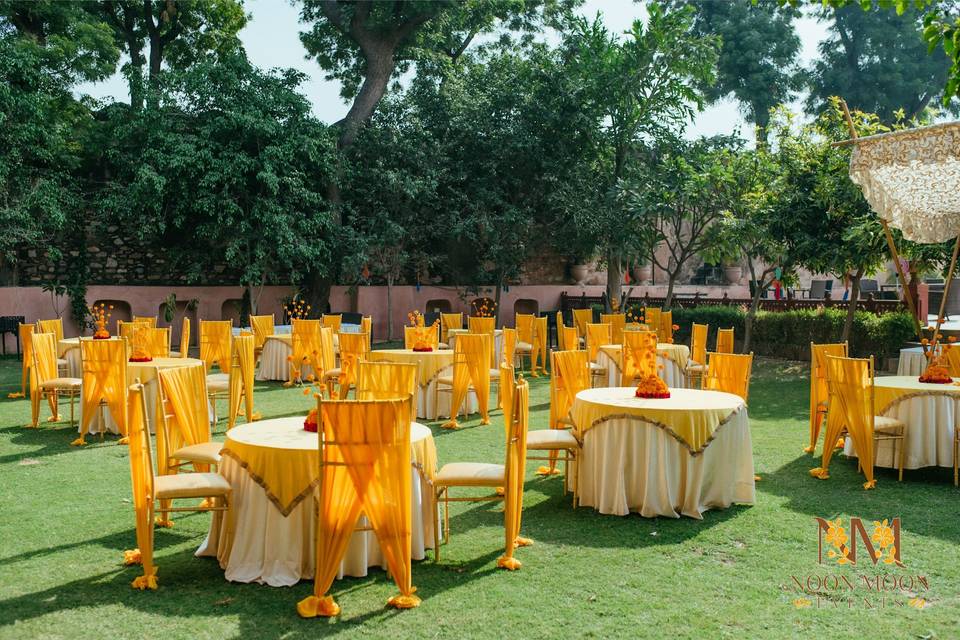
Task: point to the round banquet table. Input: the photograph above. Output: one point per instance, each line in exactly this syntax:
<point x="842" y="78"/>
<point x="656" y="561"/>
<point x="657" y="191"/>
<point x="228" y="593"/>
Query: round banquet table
<point x="273" y="467"/>
<point x="673" y="357"/>
<point x="912" y="362"/>
<point x="147" y="373"/>
<point x="930" y="412"/>
<point x="279" y="346"/>
<point x="433" y="364"/>
<point x="668" y="457"/>
<point x="69" y="350"/>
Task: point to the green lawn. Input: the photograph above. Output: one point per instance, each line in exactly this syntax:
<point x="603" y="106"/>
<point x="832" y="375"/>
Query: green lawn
<point x="65" y="517"/>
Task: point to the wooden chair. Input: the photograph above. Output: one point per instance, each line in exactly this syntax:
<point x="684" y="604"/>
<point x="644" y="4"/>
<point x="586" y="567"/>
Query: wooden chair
<point x="820" y="386"/>
<point x="524" y="348"/>
<point x="55" y="327"/>
<point x="172" y="454"/>
<point x="449" y="321"/>
<point x="598" y="334"/>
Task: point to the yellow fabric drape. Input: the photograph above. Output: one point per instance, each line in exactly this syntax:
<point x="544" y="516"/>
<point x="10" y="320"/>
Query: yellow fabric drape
<point x="639" y="357"/>
<point x="561" y="346"/>
<point x="508" y="384"/>
<point x="729" y="372"/>
<point x="141" y="480"/>
<point x="353" y="346"/>
<point x="25" y="331"/>
<point x="150" y="321"/>
<point x="366" y="326"/>
<point x="306" y="348"/>
<point x="185" y="391"/>
<point x="262" y="328"/>
<point x="524" y="324"/>
<point x="328" y="355"/>
<point x="698" y="343"/>
<point x="516" y="462"/>
<point x="597" y="336"/>
<point x="364" y="467"/>
<point x="332" y="321"/>
<point x="44" y="351"/>
<point x="819" y="390"/>
<point x="449" y="321"/>
<point x="851" y="406"/>
<point x="54" y="326"/>
<point x="428" y="334"/>
<point x="651" y="317"/>
<point x="952" y="357"/>
<point x="157" y="342"/>
<point x="215" y="336"/>
<point x="539" y="350"/>
<point x="571" y="340"/>
<point x="571" y="375"/>
<point x="617" y="322"/>
<point x="582" y="317"/>
<point x="666" y="327"/>
<point x="386" y="380"/>
<point x="509" y="345"/>
<point x="724" y="341"/>
<point x="185" y="338"/>
<point x="241" y="379"/>
<point x="104" y="379"/>
<point x="477" y="324"/>
<point x="471" y="367"/>
<point x="128" y="329"/>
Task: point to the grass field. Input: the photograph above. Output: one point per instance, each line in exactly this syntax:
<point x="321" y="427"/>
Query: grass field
<point x="66" y="515"/>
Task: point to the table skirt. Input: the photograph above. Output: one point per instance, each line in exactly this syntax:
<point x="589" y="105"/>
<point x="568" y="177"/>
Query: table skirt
<point x="912" y="362"/>
<point x="627" y="465"/>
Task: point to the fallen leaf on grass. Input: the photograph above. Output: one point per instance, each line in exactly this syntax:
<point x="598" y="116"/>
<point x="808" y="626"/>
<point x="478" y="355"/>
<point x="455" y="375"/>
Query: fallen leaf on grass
<point x="28" y="461"/>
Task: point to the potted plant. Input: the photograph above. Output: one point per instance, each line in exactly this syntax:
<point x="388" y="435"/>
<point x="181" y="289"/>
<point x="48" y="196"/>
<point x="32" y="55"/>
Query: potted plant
<point x="642" y="272"/>
<point x="732" y="271"/>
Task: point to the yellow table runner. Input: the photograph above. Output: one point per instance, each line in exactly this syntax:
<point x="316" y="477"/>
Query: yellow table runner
<point x="284" y="459"/>
<point x="678" y="353"/>
<point x="890" y="391"/>
<point x="432" y="363"/>
<point x="691" y="416"/>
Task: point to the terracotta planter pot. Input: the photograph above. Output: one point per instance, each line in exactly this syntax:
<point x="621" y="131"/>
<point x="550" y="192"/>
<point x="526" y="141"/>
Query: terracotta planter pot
<point x="642" y="275"/>
<point x="732" y="274"/>
<point x="578" y="272"/>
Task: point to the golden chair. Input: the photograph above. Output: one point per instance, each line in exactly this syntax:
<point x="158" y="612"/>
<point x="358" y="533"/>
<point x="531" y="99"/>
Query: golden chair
<point x="697" y="363"/>
<point x="449" y="321"/>
<point x="820" y="386"/>
<point x="333" y="321"/>
<point x="666" y="327"/>
<point x="55" y="327"/>
<point x="729" y="372"/>
<point x="353" y="348"/>
<point x="597" y="335"/>
<point x="237" y="382"/>
<point x="724" y="341"/>
<point x="581" y="318"/>
<point x="185" y="338"/>
<point x="157" y="342"/>
<point x="471" y="371"/>
<point x="617" y="322"/>
<point x="263" y="327"/>
<point x="524" y="346"/>
<point x="44" y="381"/>
<point x="183" y="428"/>
<point x="652" y="318"/>
<point x="149" y="320"/>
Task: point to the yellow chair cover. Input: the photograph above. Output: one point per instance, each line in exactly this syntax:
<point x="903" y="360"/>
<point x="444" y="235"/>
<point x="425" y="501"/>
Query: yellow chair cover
<point x="561" y="346"/>
<point x="524" y="324"/>
<point x="185" y="338"/>
<point x="54" y="326"/>
<point x="104" y="379"/>
<point x="666" y="326"/>
<point x="241" y="379"/>
<point x="157" y="342"/>
<point x="508" y="383"/>
<point x="651" y="317"/>
<point x="698" y="343"/>
<point x="617" y="322"/>
<point x="386" y="380"/>
<point x="571" y="375"/>
<point x="185" y="390"/>
<point x="328" y="355"/>
<point x="477" y="324"/>
<point x="449" y="321"/>
<point x="571" y="341"/>
<point x="597" y="336"/>
<point x="471" y="367"/>
<point x="428" y="334"/>
<point x="518" y="420"/>
<point x="215" y="336"/>
<point x="364" y="467"/>
<point x="729" y="372"/>
<point x="724" y="341"/>
<point x="952" y="357"/>
<point x="819" y="389"/>
<point x="353" y="346"/>
<point x="509" y="345"/>
<point x="366" y="326"/>
<point x="539" y="351"/>
<point x="333" y="321"/>
<point x="262" y="328"/>
<point x="306" y="348"/>
<point x="128" y="329"/>
<point x="25" y="331"/>
<point x="582" y="317"/>
<point x="141" y="480"/>
<point x="44" y="350"/>
<point x="851" y="405"/>
<point x="150" y="321"/>
<point x="639" y="357"/>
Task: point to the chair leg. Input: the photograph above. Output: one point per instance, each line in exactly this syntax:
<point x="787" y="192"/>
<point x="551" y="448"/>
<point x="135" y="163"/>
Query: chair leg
<point x="956" y="466"/>
<point x="436" y="527"/>
<point x="903" y="450"/>
<point x="73" y="400"/>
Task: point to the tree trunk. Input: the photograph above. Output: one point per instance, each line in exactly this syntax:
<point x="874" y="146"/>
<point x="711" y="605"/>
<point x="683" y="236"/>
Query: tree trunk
<point x="671" y="280"/>
<point x="496" y="302"/>
<point x="614" y="277"/>
<point x="851" y="305"/>
<point x="752" y="312"/>
<point x="380" y="67"/>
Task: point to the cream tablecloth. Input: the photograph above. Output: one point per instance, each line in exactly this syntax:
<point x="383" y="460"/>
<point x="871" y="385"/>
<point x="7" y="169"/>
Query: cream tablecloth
<point x="912" y="362"/>
<point x="677" y="456"/>
<point x="273" y="360"/>
<point x="930" y="412"/>
<point x="673" y="357"/>
<point x="69" y="350"/>
<point x="277" y="547"/>
<point x="433" y="364"/>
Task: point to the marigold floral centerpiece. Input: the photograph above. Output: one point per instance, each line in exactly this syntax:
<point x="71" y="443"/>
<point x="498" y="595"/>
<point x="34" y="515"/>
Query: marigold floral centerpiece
<point x="311" y="423"/>
<point x="486" y="308"/>
<point x="101" y="315"/>
<point x="297" y="309"/>
<point x="422" y="335"/>
<point x="139" y="352"/>
<point x="937" y="371"/>
<point x="652" y="386"/>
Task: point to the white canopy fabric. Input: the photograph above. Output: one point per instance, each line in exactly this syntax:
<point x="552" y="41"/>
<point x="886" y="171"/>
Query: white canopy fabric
<point x="911" y="178"/>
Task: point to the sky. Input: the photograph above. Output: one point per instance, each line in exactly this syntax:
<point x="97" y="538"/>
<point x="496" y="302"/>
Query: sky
<point x="271" y="39"/>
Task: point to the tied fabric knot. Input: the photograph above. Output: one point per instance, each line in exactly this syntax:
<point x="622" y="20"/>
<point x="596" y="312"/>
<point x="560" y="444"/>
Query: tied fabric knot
<point x="809" y="449"/>
<point x="146" y="581"/>
<point x="547" y="471"/>
<point x="312" y="606"/>
<point x="872" y="484"/>
<point x="520" y="541"/>
<point x="132" y="557"/>
<point x="819" y="472"/>
<point x="79" y="442"/>
<point x="404" y="602"/>
<point x="500" y="491"/>
<point x="256" y="416"/>
<point x="451" y="424"/>
<point x="166" y="524"/>
<point x="508" y="563"/>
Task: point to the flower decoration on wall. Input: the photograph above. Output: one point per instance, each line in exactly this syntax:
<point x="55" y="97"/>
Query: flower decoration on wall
<point x="423" y="336"/>
<point x="101" y="316"/>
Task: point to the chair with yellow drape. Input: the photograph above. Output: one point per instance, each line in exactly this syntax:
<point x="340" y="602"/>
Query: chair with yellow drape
<point x="55" y="327"/>
<point x="148" y="490"/>
<point x="639" y="357"/>
<point x="157" y="342"/>
<point x="697" y="363"/>
<point x="185" y="338"/>
<point x="364" y="468"/>
<point x="571" y="341"/>
<point x="952" y="358"/>
<point x="151" y="321"/>
<point x="539" y="351"/>
<point x="333" y="321"/>
<point x="729" y="372"/>
<point x="45" y="381"/>
<point x="215" y="337"/>
<point x="471" y="372"/>
<point x="524" y="345"/>
<point x="241" y="379"/>
<point x="263" y="327"/>
<point x="819" y="386"/>
<point x="598" y="334"/>
<point x="617" y="322"/>
<point x="104" y="384"/>
<point x="651" y="318"/>
<point x="666" y="327"/>
<point x="581" y="318"/>
<point x="353" y="347"/>
<point x="724" y="341"/>
<point x="366" y="326"/>
<point x="306" y="348"/>
<point x="477" y="324"/>
<point x="851" y="383"/>
<point x="386" y="380"/>
<point x="24" y="332"/>
<point x="127" y="329"/>
<point x="570" y="376"/>
<point x="412" y="334"/>
<point x="449" y="321"/>
<point x="481" y="474"/>
<point x="509" y="354"/>
<point x="560" y="333"/>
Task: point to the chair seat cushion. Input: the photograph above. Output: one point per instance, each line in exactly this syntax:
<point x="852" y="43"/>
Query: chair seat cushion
<point x="543" y="439"/>
<point x="471" y="474"/>
<point x="208" y="452"/>
<point x="217" y="382"/>
<point x="62" y="362"/>
<point x="595" y="368"/>
<point x="525" y="347"/>
<point x="695" y="366"/>
<point x="190" y="485"/>
<point x="883" y="424"/>
<point x="332" y="374"/>
<point x="61" y="383"/>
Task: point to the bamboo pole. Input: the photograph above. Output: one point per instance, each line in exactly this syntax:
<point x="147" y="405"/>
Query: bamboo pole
<point x="903" y="280"/>
<point x="946" y="288"/>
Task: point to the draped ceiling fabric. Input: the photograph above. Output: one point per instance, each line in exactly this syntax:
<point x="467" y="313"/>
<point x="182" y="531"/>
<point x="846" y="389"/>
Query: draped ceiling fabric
<point x="912" y="179"/>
